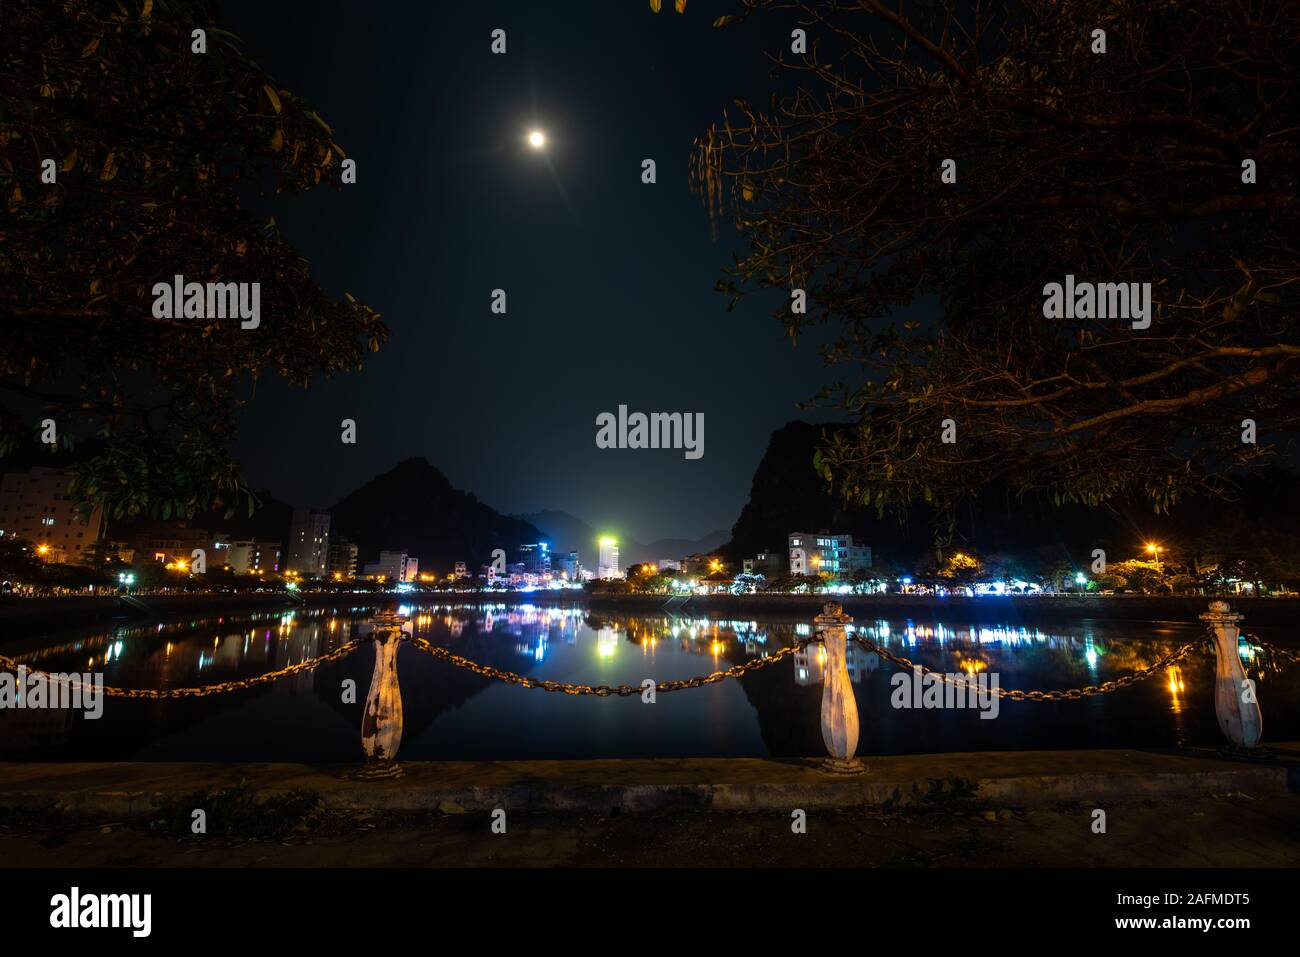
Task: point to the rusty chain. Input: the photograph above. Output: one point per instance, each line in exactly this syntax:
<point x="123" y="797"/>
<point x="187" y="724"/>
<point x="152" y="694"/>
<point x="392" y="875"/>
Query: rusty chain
<point x="602" y="691"/>
<point x="1015" y="694"/>
<point x="1273" y="649"/>
<point x="8" y="664"/>
<point x="605" y="691"/>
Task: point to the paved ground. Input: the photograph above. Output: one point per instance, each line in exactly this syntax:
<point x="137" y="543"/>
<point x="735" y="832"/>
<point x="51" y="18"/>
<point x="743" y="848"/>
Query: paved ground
<point x="956" y="810"/>
<point x="1012" y="779"/>
<point x="1223" y="831"/>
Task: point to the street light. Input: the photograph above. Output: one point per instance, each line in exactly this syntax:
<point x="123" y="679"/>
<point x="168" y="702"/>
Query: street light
<point x="1154" y="549"/>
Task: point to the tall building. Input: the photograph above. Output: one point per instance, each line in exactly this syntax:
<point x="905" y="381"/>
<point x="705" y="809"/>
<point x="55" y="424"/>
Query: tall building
<point x="39" y="507"/>
<point x="307" y="551"/>
<point x="824" y="553"/>
<point x="342" y="558"/>
<point x="536" y="558"/>
<point x="607" y="564"/>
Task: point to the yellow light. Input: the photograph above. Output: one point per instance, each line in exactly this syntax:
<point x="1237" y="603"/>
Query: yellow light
<point x="42" y="549"/>
<point x="536" y="139"/>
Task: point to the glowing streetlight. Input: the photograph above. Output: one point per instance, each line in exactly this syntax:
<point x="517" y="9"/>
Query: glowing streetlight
<point x="536" y="139"/>
<point x="1154" y="549"/>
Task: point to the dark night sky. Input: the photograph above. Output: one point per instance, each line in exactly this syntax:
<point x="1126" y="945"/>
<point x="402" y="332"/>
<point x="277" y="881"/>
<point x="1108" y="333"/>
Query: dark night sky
<point x="610" y="281"/>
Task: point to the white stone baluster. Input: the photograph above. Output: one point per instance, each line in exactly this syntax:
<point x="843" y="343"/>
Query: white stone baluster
<point x="839" y="707"/>
<point x="381" y="722"/>
<point x="1239" y="719"/>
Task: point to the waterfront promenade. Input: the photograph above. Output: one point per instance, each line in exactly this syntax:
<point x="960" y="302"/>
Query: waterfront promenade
<point x="955" y="810"/>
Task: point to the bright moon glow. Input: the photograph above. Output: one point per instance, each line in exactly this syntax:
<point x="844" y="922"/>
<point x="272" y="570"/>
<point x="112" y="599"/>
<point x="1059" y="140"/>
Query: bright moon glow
<point x="536" y="139"/>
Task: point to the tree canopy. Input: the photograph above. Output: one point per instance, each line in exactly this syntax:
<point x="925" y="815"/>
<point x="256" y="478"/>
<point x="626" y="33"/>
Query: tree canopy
<point x="1123" y="166"/>
<point x="155" y="145"/>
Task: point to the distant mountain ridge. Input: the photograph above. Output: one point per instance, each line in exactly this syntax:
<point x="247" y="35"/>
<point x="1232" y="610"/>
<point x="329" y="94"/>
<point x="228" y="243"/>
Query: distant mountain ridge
<point x="414" y="507"/>
<point x="566" y="532"/>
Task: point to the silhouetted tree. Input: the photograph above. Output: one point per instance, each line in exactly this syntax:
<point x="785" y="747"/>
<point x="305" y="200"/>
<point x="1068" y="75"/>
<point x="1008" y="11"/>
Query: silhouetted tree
<point x="1118" y="167"/>
<point x="154" y="145"/>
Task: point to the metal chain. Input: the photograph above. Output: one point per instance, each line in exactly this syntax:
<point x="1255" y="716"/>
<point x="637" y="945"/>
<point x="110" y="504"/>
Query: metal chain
<point x="1273" y="649"/>
<point x="8" y="664"/>
<point x="605" y="691"/>
<point x="602" y="691"/>
<point x="1072" y="694"/>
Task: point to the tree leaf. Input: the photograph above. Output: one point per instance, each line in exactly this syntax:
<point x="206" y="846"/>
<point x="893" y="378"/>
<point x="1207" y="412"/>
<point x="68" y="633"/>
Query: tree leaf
<point x="273" y="97"/>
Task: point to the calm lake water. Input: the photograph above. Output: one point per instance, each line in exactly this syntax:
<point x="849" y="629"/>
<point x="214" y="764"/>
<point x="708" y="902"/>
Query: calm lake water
<point x="453" y="714"/>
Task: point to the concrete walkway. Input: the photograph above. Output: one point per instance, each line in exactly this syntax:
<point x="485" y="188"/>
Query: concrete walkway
<point x="1010" y="779"/>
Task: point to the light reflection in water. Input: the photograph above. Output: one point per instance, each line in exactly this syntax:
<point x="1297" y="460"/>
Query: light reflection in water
<point x="574" y="644"/>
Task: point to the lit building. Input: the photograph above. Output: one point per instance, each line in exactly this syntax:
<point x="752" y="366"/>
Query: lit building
<point x="700" y="564"/>
<point x="824" y="553"/>
<point x="570" y="567"/>
<point x="535" y="559"/>
<point x="460" y="571"/>
<point x="307" y="552"/>
<point x="253" y="558"/>
<point x="607" y="564"/>
<point x="342" y="558"/>
<point x="393" y="566"/>
<point x="767" y="564"/>
<point x="38" y="506"/>
<point x="175" y="541"/>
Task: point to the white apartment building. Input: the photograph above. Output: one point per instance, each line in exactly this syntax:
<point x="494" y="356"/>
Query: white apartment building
<point x="817" y="553"/>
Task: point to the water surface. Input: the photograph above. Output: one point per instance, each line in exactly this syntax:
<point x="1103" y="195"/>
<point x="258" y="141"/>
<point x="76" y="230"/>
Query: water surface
<point x="451" y="713"/>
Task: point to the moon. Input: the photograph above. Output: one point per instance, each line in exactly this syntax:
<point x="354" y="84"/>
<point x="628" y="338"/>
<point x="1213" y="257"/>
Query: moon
<point x="536" y="139"/>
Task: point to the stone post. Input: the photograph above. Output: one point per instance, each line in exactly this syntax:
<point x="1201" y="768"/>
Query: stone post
<point x="1239" y="719"/>
<point x="839" y="707"/>
<point x="381" y="722"/>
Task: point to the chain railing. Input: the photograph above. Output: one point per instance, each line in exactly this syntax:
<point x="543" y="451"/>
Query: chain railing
<point x="604" y="691"/>
<point x="1015" y="694"/>
<point x="1272" y="649"/>
<point x="381" y="731"/>
<point x="200" y="691"/>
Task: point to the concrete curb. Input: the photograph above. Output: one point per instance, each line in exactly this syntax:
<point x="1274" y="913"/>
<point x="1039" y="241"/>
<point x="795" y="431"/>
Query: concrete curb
<point x="1004" y="779"/>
